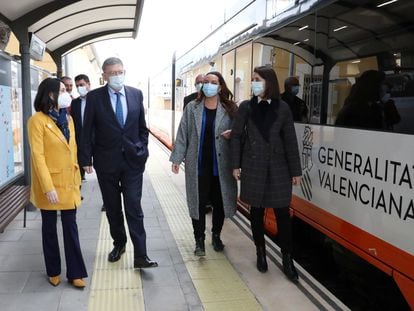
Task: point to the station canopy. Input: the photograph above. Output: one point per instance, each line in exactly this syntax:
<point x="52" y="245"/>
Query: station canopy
<point x="65" y="25"/>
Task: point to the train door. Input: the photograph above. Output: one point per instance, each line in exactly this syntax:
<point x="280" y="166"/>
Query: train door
<point x="227" y="69"/>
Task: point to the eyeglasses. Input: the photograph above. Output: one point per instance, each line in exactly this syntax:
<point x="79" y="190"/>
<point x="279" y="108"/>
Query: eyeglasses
<point x="115" y="73"/>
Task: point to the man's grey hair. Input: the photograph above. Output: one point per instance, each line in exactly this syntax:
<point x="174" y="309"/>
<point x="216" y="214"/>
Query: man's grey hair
<point x="111" y="61"/>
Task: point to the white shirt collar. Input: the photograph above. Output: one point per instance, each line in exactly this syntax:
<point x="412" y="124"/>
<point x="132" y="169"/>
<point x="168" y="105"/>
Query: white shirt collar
<point x="112" y="91"/>
<point x="259" y="99"/>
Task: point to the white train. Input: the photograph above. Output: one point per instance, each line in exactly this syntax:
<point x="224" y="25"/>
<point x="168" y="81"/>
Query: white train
<point x="357" y="184"/>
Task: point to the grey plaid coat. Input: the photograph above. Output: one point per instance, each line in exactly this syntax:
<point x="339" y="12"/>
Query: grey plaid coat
<point x="186" y="149"/>
<point x="267" y="168"/>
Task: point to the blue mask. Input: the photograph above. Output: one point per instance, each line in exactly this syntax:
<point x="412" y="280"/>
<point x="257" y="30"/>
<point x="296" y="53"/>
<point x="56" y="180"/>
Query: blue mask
<point x="116" y="82"/>
<point x="210" y="90"/>
<point x="258" y="88"/>
<point x="294" y="89"/>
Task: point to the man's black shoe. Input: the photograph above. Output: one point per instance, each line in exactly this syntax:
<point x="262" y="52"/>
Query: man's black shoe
<point x="144" y="262"/>
<point x="116" y="253"/>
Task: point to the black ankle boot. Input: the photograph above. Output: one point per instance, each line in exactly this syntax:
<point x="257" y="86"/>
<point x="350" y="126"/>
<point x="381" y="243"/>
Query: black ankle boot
<point x="199" y="247"/>
<point x="261" y="259"/>
<point x="289" y="269"/>
<point x="217" y="243"/>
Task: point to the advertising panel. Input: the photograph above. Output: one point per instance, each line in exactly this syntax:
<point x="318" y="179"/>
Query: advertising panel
<point x="364" y="177"/>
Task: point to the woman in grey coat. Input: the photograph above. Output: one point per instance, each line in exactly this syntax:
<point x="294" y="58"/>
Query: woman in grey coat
<point x="266" y="160"/>
<point x="203" y="144"/>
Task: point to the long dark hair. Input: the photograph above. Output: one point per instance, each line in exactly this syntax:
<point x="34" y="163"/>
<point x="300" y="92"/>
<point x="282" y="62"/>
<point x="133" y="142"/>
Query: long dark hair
<point x="43" y="102"/>
<point x="367" y="88"/>
<point x="272" y="84"/>
<point x="225" y="95"/>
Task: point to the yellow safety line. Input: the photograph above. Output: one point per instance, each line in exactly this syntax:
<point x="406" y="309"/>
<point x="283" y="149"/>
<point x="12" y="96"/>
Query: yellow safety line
<point x="217" y="283"/>
<point x="114" y="286"/>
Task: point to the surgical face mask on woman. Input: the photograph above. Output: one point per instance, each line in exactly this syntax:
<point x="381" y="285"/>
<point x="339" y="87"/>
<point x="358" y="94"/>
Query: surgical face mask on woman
<point x="82" y="91"/>
<point x="116" y="82"/>
<point x="210" y="90"/>
<point x="258" y="88"/>
<point x="64" y="100"/>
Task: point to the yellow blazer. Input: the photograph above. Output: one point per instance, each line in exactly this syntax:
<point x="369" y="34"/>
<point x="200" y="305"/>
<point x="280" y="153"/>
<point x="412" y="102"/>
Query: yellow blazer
<point x="54" y="164"/>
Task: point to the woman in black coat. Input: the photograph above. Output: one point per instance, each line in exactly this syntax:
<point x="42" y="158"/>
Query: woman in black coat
<point x="266" y="160"/>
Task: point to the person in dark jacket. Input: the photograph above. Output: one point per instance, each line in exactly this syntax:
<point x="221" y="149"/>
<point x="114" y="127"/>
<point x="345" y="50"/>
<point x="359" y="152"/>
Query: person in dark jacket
<point x="297" y="105"/>
<point x="362" y="107"/>
<point x="198" y="85"/>
<point x="267" y="163"/>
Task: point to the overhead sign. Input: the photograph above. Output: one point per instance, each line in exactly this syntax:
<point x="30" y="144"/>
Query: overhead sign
<point x="37" y="47"/>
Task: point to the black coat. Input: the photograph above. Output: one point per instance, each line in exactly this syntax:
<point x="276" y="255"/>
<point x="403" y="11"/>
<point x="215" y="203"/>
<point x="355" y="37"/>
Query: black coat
<point x="189" y="98"/>
<point x="297" y="106"/>
<point x="75" y="111"/>
<point x="267" y="167"/>
<point x="105" y="140"/>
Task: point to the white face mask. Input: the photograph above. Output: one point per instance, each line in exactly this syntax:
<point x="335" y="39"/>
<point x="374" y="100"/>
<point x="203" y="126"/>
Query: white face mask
<point x="198" y="86"/>
<point x="116" y="82"/>
<point x="64" y="100"/>
<point x="258" y="88"/>
<point x="82" y="90"/>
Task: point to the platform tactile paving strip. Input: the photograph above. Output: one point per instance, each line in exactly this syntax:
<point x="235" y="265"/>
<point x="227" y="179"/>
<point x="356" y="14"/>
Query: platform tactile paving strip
<point x="217" y="283"/>
<point x="114" y="286"/>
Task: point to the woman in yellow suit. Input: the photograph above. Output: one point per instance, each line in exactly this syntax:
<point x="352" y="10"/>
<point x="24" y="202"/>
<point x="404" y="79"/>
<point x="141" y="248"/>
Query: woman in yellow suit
<point x="56" y="179"/>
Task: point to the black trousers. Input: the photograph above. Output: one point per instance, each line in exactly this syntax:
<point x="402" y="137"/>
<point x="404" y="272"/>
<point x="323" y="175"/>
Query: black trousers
<point x="284" y="227"/>
<point x="75" y="266"/>
<point x="208" y="191"/>
<point x="128" y="183"/>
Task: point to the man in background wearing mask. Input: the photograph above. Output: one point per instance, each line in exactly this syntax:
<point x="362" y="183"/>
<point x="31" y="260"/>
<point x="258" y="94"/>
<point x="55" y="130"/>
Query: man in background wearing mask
<point x="67" y="81"/>
<point x="198" y="84"/>
<point x="77" y="109"/>
<point x="297" y="105"/>
<point x="115" y="135"/>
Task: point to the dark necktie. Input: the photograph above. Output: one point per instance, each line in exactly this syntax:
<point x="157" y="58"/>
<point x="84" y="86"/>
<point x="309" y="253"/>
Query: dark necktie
<point x="118" y="110"/>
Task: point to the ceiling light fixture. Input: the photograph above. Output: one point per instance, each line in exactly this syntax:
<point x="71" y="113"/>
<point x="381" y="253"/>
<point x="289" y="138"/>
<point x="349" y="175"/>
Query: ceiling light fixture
<point x="304" y="27"/>
<point x="340" y="28"/>
<point x="386" y="3"/>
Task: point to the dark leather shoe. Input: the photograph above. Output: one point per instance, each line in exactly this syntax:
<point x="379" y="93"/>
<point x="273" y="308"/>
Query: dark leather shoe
<point x="116" y="253"/>
<point x="289" y="269"/>
<point x="200" y="248"/>
<point x="144" y="262"/>
<point x="261" y="259"/>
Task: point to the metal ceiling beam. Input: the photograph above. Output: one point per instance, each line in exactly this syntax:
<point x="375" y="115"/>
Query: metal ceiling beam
<point x="75" y="43"/>
<point x="37" y="14"/>
<point x="138" y="13"/>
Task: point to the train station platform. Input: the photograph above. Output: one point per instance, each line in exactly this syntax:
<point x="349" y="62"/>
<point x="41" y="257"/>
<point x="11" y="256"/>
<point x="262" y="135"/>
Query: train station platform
<point x="225" y="280"/>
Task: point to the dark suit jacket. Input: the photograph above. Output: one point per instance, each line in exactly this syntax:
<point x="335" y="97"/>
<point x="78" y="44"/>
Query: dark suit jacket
<point x="105" y="140"/>
<point x="75" y="111"/>
<point x="189" y="98"/>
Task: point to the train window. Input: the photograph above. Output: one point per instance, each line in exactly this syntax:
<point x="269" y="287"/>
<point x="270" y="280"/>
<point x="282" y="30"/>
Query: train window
<point x="243" y="72"/>
<point x="341" y="79"/>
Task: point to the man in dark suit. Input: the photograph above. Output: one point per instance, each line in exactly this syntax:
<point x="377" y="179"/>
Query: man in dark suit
<point x="198" y="84"/>
<point x="115" y="118"/>
<point x="77" y="110"/>
<point x="297" y="105"/>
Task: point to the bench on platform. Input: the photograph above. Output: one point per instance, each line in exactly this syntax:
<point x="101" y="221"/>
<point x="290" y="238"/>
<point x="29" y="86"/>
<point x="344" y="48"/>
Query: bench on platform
<point x="12" y="201"/>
